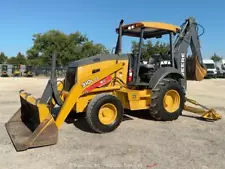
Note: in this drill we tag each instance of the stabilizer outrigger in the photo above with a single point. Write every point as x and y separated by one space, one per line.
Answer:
205 112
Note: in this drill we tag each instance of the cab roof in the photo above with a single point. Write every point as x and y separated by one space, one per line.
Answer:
152 29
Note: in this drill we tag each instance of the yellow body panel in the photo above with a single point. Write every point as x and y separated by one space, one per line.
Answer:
134 99
130 99
84 71
159 25
123 73
82 103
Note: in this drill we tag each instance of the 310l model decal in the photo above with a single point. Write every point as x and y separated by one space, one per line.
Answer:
88 82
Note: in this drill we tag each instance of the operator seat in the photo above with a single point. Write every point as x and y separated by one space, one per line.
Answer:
146 66
152 62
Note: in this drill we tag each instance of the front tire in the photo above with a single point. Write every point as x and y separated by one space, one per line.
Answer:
104 113
167 101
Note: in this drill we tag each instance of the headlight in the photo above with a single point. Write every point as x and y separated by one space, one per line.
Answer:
131 27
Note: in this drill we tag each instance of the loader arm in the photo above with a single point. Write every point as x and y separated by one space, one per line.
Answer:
191 67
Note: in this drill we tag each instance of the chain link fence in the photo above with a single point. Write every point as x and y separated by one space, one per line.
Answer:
37 70
46 71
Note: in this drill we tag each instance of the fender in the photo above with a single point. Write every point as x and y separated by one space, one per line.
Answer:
164 72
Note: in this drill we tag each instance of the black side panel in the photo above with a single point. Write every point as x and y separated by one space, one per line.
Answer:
70 78
162 73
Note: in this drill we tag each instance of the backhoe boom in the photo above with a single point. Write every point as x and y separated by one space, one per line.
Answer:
191 67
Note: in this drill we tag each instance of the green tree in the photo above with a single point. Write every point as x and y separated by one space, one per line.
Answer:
12 60
216 57
69 47
21 59
3 58
148 48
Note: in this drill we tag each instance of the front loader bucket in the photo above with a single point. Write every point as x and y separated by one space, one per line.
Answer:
32 125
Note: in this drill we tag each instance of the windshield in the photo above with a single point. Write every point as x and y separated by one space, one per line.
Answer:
210 65
151 47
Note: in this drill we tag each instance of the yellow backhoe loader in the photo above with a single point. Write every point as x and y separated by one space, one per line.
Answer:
105 85
16 70
4 70
28 71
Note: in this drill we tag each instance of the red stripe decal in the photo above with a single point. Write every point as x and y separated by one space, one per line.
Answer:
98 84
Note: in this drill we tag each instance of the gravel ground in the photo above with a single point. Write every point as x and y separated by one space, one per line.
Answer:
139 143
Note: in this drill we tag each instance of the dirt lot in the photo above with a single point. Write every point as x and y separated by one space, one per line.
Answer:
187 143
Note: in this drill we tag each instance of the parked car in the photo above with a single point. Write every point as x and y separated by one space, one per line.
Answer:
220 66
211 68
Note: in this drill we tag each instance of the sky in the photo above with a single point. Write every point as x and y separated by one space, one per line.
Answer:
98 20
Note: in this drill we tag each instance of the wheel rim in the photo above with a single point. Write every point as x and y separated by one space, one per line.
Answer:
107 114
171 101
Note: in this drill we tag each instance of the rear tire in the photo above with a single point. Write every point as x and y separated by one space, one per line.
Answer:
170 107
104 113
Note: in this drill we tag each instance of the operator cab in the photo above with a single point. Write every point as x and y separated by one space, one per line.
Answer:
142 72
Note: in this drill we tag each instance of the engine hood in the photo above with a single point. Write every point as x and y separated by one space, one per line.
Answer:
97 58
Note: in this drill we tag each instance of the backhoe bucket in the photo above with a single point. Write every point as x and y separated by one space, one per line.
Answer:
32 125
195 71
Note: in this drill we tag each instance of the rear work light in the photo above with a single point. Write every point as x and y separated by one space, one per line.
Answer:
130 75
